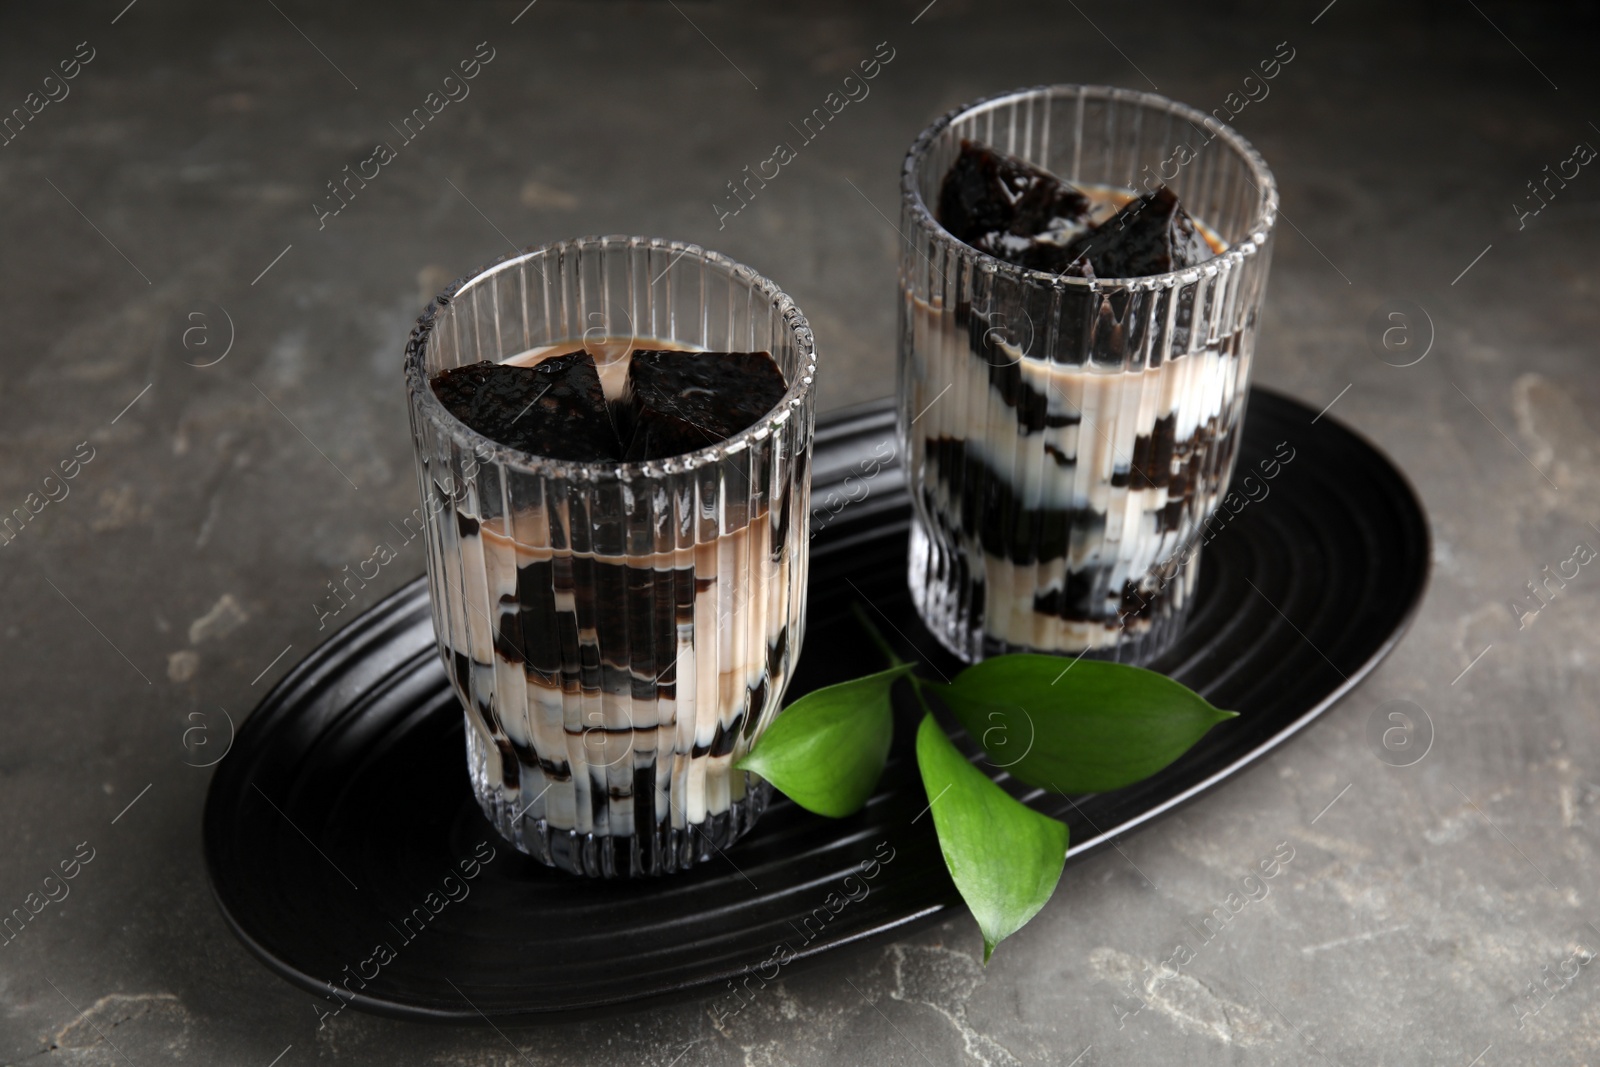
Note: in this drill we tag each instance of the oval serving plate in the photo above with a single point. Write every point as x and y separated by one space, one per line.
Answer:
347 853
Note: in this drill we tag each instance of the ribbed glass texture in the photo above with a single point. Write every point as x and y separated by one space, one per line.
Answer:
619 634
1067 439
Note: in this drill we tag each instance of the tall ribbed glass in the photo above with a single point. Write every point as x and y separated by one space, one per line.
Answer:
618 633
1067 438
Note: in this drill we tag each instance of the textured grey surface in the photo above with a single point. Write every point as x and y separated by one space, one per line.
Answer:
1420 902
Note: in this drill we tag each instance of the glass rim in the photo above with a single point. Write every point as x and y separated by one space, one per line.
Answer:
427 403
1260 226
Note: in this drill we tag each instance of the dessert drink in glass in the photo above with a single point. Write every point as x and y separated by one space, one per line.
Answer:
612 440
1080 287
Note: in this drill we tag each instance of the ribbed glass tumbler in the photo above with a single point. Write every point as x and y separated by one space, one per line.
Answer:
1068 438
618 633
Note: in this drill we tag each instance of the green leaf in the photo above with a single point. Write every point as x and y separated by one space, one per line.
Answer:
826 751
1005 857
1077 727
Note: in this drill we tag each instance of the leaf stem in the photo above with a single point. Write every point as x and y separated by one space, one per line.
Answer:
878 639
916 687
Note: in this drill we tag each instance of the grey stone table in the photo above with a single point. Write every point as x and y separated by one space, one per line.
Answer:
161 206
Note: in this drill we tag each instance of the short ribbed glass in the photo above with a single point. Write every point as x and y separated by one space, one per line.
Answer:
1067 439
618 633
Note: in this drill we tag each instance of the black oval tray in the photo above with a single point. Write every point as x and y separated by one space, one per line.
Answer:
341 820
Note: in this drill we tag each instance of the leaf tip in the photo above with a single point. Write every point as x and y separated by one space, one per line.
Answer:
988 949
